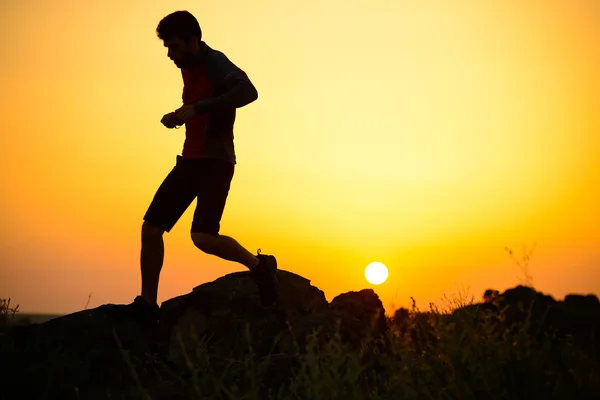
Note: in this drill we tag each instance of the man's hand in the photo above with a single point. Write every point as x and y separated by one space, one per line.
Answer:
171 121
184 113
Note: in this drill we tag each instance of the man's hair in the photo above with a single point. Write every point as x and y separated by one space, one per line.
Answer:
180 24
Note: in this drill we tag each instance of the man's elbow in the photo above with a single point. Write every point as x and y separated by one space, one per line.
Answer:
255 96
252 94
243 94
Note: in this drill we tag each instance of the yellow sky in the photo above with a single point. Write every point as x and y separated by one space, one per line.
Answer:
427 135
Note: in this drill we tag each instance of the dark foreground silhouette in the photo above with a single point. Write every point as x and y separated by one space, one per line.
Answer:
217 342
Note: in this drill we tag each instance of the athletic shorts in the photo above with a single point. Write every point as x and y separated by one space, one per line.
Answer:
205 179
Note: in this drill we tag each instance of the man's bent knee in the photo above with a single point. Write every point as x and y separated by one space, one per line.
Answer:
150 231
204 241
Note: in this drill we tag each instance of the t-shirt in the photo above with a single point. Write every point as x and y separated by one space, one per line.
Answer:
210 135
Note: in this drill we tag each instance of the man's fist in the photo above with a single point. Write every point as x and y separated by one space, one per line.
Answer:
171 121
185 112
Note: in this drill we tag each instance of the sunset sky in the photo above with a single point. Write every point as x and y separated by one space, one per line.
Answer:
426 135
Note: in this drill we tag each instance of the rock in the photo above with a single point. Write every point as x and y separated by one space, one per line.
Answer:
323 327
76 352
366 307
226 313
357 317
219 322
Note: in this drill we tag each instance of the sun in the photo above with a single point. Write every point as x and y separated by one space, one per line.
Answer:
376 273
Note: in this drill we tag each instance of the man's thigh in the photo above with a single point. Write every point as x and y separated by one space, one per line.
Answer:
172 198
212 190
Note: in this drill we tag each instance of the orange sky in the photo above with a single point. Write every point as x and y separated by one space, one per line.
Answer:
426 135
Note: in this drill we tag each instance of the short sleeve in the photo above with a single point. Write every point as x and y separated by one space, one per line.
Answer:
222 72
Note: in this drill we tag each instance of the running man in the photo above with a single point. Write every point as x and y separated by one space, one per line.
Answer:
213 87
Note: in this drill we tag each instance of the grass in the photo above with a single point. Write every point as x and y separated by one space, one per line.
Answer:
461 356
433 355
7 313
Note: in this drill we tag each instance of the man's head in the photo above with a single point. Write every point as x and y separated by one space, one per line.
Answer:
181 35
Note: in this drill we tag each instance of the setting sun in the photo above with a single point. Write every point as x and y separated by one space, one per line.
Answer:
376 273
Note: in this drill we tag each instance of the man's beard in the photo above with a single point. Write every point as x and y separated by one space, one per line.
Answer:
187 62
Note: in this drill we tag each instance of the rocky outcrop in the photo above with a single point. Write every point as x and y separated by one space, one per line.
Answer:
219 321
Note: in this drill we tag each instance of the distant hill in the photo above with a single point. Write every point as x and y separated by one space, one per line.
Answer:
21 319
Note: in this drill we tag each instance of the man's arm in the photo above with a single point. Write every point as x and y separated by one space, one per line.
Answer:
238 90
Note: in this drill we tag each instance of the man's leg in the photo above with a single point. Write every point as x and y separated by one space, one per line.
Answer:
144 308
214 181
263 267
224 247
214 184
151 261
172 198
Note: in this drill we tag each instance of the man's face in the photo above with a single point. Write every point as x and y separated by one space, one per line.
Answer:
180 52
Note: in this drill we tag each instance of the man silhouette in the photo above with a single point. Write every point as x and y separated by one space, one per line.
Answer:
213 87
